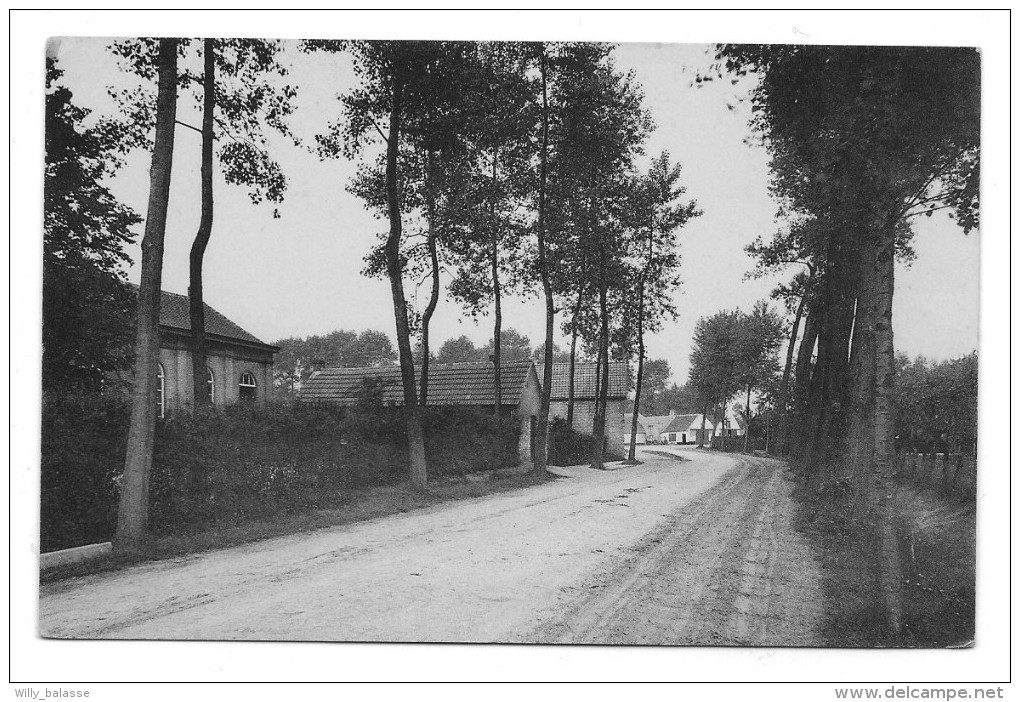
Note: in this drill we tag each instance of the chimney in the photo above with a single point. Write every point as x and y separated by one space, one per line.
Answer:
492 358
672 413
318 364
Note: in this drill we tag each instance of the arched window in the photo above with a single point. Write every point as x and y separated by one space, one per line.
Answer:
247 387
160 387
210 382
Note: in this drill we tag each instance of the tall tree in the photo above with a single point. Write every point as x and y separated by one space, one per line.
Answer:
493 229
544 263
398 84
714 357
654 217
87 304
600 128
132 516
761 332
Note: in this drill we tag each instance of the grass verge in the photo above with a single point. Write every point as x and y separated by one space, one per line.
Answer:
937 552
356 506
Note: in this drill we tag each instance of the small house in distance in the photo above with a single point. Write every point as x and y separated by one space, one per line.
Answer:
584 399
686 429
239 366
463 384
654 424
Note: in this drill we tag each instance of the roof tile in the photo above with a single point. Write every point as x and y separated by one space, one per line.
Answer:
175 312
449 384
585 380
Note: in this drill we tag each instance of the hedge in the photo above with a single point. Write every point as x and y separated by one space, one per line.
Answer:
569 447
243 462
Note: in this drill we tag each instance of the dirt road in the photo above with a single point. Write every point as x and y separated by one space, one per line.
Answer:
668 552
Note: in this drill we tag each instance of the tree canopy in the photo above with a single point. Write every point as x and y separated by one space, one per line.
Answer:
88 307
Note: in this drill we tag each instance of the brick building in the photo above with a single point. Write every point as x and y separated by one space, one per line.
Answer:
239 366
617 427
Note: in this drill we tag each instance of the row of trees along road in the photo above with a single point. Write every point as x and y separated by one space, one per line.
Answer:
735 353
508 166
862 141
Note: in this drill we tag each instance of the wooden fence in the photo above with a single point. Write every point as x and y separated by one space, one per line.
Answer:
952 475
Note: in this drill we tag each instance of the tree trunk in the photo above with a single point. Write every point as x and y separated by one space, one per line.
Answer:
825 425
196 302
426 318
870 441
632 452
573 357
497 329
133 513
747 421
415 436
796 422
542 440
890 575
783 400
701 439
599 428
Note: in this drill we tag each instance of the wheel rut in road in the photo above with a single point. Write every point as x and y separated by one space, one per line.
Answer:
727 569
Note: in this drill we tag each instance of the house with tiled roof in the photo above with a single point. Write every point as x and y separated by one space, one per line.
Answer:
239 366
461 384
585 386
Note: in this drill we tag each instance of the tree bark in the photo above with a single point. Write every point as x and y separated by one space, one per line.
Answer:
783 401
573 357
826 411
433 249
133 512
747 421
196 303
890 574
797 421
542 440
497 329
632 453
415 436
599 428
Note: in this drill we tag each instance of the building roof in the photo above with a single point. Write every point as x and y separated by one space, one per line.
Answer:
656 419
686 422
449 384
175 313
585 381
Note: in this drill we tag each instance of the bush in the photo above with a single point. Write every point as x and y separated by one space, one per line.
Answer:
84 437
242 462
568 447
460 440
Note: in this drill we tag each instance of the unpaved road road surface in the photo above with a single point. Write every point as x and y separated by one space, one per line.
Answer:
699 552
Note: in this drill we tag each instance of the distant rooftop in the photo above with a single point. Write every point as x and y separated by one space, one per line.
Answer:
449 384
585 381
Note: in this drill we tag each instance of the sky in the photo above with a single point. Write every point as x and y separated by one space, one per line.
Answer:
300 274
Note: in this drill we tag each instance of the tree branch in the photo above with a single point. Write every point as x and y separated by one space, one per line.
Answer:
183 124
384 138
923 212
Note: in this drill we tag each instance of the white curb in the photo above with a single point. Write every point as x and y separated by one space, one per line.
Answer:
73 555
